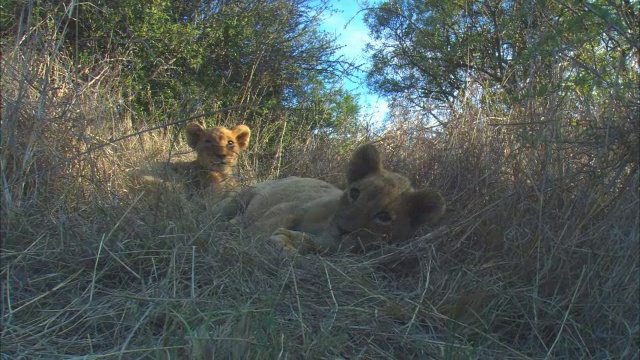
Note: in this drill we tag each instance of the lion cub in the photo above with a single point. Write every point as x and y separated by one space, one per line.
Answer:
217 151
310 215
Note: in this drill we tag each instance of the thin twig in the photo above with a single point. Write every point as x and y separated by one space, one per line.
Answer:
161 126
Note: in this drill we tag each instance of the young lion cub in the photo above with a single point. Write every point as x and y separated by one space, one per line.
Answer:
217 151
305 215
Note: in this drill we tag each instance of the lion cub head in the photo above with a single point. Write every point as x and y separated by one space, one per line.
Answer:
379 205
217 146
217 150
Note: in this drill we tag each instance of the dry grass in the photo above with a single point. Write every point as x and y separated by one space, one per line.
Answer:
537 257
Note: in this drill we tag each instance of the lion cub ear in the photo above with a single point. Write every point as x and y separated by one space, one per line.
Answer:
364 162
424 206
194 133
242 134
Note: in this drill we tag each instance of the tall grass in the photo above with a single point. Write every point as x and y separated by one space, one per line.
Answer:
536 258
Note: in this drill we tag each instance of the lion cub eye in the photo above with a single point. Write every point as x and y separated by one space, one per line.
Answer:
208 141
354 194
383 217
230 143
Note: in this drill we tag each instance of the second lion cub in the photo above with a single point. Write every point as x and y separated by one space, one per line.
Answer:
310 215
217 150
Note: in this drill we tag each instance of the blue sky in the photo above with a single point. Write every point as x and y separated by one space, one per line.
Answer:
351 32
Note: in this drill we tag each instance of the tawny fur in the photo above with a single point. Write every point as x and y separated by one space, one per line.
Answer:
217 150
310 215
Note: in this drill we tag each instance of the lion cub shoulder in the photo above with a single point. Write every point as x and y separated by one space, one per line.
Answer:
378 206
217 150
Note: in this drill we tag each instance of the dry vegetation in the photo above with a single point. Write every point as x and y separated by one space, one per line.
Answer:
537 257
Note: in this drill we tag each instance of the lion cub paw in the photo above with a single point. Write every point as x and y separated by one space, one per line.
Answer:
293 241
